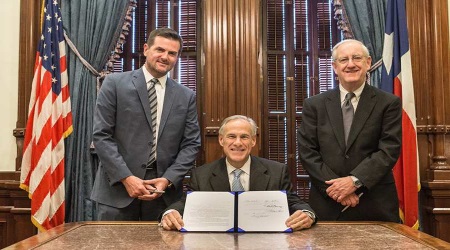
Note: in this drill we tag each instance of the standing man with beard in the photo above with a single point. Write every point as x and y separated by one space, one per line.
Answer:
146 135
349 141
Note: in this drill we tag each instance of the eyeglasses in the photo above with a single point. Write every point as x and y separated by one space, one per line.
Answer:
345 60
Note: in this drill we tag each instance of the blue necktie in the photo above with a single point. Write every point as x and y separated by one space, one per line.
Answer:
237 185
153 108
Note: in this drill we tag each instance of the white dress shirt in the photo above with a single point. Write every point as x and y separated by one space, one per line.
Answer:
160 92
357 93
244 177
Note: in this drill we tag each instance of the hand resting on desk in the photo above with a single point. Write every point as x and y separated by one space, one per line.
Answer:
299 220
172 221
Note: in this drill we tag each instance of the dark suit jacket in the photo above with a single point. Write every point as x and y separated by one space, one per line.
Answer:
264 175
372 151
123 136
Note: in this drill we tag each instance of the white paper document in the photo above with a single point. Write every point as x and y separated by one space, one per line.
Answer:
263 211
209 211
253 211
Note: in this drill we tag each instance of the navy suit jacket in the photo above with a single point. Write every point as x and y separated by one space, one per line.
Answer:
371 152
264 175
123 136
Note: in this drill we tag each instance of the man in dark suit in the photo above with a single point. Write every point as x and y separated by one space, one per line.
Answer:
125 141
352 168
237 136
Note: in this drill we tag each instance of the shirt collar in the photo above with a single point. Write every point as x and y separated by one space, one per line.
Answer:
245 168
357 92
148 77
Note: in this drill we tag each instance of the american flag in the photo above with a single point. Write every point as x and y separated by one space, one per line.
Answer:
397 79
49 122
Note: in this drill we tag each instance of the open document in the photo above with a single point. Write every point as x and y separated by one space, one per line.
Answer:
253 211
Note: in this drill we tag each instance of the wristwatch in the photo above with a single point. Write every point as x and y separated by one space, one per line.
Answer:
356 182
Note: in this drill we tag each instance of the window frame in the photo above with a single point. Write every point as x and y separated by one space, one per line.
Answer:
292 113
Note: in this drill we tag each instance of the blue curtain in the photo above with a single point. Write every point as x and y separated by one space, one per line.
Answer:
94 27
366 20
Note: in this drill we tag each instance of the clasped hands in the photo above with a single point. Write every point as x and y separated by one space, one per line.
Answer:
297 221
142 189
342 190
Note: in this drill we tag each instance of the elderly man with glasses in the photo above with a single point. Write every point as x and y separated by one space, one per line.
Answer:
349 141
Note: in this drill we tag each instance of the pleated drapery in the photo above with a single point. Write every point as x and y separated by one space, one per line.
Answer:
94 27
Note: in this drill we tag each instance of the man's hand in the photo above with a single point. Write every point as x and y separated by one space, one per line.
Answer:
340 188
351 200
172 221
159 184
135 186
299 220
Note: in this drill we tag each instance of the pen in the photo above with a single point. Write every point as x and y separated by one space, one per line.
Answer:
157 191
345 208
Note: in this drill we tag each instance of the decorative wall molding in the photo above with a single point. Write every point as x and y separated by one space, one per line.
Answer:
433 129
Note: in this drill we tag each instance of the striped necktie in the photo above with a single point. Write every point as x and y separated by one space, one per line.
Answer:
347 114
153 108
237 185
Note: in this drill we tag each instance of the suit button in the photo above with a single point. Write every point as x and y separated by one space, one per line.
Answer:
149 143
346 156
143 166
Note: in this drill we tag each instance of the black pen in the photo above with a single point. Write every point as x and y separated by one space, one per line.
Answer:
345 208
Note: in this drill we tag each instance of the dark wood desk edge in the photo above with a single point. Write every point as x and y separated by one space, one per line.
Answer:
42 238
413 234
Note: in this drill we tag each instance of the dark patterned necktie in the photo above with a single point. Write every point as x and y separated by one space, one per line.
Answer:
347 114
153 109
237 185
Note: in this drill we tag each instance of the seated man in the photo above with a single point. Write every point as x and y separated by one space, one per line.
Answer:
237 136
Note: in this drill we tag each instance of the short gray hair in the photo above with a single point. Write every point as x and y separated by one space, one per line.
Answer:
334 51
239 117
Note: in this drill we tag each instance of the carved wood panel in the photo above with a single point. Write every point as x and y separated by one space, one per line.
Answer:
428 26
231 71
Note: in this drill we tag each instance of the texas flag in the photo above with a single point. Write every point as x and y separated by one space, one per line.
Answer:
397 79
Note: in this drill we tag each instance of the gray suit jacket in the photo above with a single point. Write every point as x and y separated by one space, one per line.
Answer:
372 150
123 136
264 175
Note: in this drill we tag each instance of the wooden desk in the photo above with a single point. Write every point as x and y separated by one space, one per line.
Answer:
147 235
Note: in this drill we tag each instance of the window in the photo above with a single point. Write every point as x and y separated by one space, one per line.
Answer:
299 38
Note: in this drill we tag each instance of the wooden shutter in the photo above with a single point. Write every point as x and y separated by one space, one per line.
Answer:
186 70
299 38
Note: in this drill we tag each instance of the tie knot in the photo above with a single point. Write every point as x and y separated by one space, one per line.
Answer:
237 172
153 82
349 96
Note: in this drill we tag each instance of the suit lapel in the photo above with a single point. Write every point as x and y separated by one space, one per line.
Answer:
219 180
334 111
258 176
169 97
141 87
365 105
